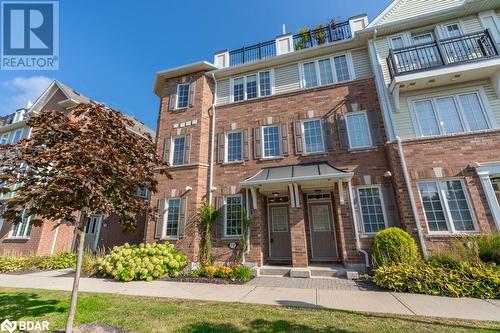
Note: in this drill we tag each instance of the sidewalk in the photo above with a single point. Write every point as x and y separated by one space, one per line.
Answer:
351 300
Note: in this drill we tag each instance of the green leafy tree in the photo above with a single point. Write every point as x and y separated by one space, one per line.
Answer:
76 163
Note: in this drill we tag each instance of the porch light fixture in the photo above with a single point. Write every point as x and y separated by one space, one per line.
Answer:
275 194
188 188
317 191
387 174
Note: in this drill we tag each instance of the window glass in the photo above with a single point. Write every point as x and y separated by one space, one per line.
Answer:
265 83
251 86
448 115
397 42
320 218
325 71
474 113
182 95
310 75
22 228
372 213
271 137
434 212
453 30
17 136
341 68
426 118
358 131
279 217
234 145
5 139
233 216
178 155
313 136
458 206
173 214
423 39
238 89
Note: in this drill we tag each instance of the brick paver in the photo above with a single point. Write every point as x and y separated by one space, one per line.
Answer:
313 283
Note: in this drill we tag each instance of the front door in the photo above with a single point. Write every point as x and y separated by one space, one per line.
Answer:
280 243
323 244
92 231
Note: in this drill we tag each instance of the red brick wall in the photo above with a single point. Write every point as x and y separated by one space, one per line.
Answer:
112 233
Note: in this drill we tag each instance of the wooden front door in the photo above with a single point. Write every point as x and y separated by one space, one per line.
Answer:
279 232
323 243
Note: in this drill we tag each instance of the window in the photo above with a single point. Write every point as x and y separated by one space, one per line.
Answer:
178 151
446 206
310 79
4 139
371 207
234 146
173 215
182 95
423 38
397 42
22 229
341 68
313 136
358 131
450 114
452 30
17 136
325 71
252 86
234 209
271 137
142 192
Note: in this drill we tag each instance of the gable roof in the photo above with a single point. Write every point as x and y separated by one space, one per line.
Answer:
405 9
45 97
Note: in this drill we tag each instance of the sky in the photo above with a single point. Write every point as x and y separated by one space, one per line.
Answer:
111 50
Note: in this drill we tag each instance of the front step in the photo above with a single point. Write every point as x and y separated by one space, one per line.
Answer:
327 271
312 271
275 270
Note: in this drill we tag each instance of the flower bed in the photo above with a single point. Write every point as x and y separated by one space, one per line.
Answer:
212 273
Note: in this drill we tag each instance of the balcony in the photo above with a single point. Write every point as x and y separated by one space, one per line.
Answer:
304 39
446 52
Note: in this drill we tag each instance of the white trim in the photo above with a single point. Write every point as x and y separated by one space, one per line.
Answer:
386 11
264 157
98 230
54 240
496 21
172 148
177 107
382 203
444 28
165 220
321 134
364 112
225 215
26 227
446 210
226 146
485 173
315 61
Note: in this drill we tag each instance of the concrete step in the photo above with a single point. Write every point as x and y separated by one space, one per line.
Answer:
275 270
326 271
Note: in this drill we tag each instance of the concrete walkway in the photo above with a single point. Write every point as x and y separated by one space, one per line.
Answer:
351 300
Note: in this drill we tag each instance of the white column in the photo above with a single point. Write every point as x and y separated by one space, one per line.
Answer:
484 176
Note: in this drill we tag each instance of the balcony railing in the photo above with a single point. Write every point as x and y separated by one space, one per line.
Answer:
311 38
449 51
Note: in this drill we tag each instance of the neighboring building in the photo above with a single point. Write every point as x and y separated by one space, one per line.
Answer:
102 231
437 68
301 132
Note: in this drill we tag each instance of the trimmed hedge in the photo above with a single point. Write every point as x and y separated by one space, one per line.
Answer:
464 279
393 246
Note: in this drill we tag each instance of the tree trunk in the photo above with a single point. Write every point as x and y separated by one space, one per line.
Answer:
76 281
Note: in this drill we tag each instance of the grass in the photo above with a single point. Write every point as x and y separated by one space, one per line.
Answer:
149 314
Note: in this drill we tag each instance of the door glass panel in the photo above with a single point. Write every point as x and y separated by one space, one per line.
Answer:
279 219
320 218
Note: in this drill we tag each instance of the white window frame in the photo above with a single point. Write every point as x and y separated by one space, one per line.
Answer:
365 113
11 138
382 203
446 208
304 137
172 149
7 138
26 228
350 66
177 107
165 219
225 215
483 101
226 146
263 142
404 38
444 28
244 77
142 192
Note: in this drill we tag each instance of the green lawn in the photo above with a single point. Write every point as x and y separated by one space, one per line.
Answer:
147 314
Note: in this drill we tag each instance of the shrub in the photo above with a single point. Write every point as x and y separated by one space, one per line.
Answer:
394 245
236 272
91 262
444 259
11 263
242 273
489 248
475 279
143 262
57 261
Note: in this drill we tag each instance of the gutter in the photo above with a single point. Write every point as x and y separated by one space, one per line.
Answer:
412 198
212 145
355 222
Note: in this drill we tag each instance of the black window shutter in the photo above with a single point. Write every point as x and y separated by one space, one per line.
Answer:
328 134
159 221
297 131
219 223
391 209
166 149
257 144
220 147
187 148
245 145
284 139
172 103
192 91
182 217
374 121
342 128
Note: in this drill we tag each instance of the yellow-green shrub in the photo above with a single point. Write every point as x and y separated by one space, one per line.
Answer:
475 279
392 246
11 263
142 262
57 261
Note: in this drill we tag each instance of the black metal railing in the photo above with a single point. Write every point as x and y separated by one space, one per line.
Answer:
252 53
331 33
449 51
303 40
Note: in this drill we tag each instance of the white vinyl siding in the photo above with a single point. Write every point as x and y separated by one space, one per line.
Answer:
287 78
361 64
223 91
405 9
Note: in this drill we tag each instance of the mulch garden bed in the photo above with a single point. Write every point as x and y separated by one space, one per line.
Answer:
200 280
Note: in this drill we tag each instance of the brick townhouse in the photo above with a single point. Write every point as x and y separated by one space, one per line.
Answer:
326 137
55 236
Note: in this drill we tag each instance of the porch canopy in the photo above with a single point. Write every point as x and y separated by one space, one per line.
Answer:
287 178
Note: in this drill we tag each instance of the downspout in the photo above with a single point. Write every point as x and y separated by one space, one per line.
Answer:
212 145
412 198
355 221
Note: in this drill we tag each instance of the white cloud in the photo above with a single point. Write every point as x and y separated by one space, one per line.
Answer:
22 90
